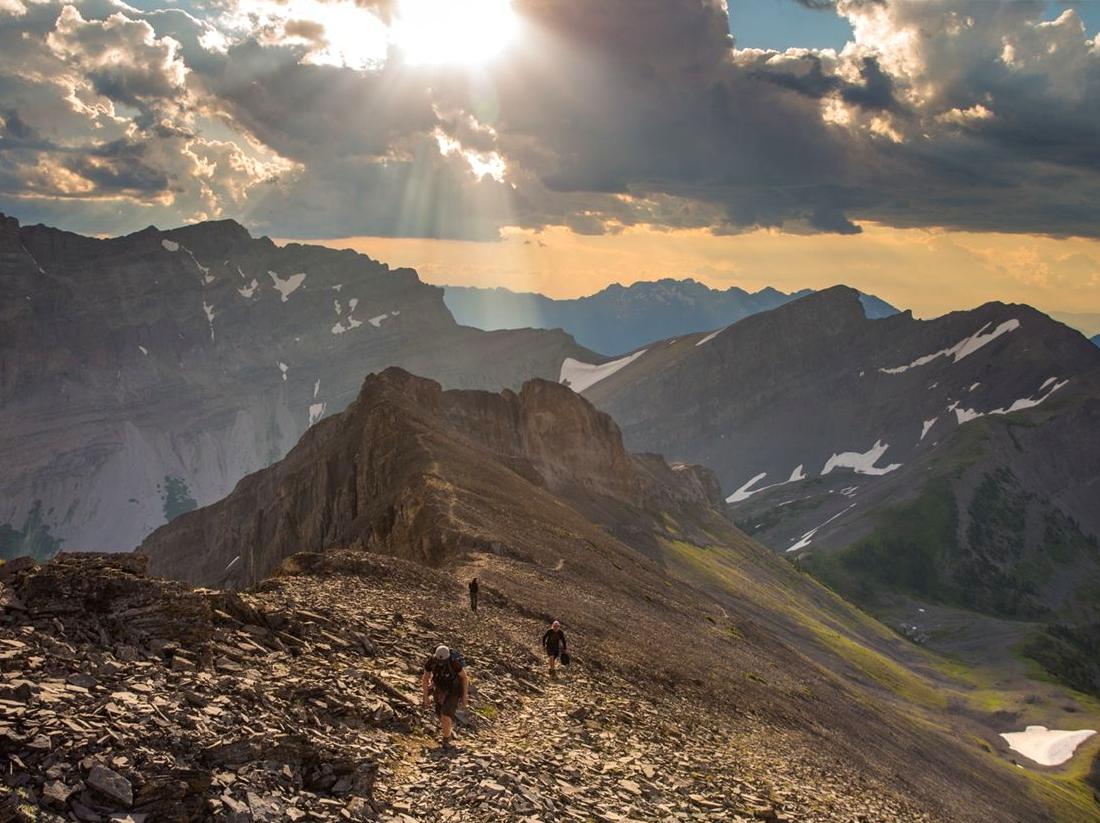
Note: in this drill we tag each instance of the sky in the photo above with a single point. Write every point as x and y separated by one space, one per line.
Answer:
939 153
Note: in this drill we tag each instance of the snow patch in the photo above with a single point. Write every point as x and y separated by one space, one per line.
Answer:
1047 747
143 350
747 490
249 290
232 562
289 286
316 388
963 348
283 368
861 462
170 245
966 415
339 309
209 311
808 537
711 336
974 386
928 424
338 286
1047 382
580 376
743 493
316 411
377 320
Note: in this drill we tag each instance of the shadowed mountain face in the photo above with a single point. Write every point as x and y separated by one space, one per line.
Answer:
955 460
1096 340
144 375
534 493
622 318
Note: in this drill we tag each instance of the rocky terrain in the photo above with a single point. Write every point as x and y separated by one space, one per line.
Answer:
127 698
141 376
952 461
620 318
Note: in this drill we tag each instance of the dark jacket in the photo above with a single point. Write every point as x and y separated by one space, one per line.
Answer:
473 587
554 641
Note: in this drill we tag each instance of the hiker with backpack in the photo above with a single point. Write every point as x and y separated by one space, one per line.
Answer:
473 595
553 641
445 684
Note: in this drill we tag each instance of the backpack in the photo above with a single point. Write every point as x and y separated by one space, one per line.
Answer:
446 674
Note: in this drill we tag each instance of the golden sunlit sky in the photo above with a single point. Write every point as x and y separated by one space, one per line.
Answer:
938 154
930 271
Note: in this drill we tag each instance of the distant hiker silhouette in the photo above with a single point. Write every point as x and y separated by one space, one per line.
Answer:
553 641
445 684
473 595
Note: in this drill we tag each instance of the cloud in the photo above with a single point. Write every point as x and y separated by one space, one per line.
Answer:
300 117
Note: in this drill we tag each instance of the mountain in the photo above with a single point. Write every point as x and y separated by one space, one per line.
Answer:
534 492
141 376
622 318
406 470
1096 340
950 463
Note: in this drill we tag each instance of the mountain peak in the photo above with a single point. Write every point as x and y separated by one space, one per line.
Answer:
212 234
406 470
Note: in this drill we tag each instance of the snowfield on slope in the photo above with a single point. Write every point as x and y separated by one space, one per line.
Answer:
288 286
963 348
964 415
861 462
747 490
580 376
1047 747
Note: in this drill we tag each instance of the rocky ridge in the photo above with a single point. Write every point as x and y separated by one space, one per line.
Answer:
408 469
132 699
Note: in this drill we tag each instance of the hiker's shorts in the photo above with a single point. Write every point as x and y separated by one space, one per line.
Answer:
446 703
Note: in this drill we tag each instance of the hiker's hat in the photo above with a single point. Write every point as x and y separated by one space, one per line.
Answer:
442 653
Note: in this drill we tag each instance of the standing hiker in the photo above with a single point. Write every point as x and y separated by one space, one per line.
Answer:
553 641
473 595
444 683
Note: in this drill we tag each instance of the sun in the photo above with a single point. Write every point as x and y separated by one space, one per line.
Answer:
464 32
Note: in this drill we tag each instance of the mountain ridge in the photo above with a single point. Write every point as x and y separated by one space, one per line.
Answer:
619 318
919 467
533 493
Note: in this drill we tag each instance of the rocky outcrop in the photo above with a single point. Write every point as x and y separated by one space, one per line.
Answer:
408 468
141 376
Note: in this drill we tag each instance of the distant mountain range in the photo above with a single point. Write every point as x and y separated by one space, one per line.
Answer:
141 376
954 462
621 318
1096 340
